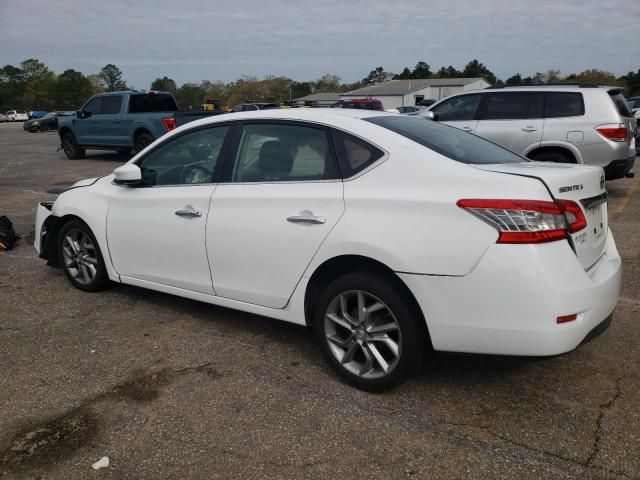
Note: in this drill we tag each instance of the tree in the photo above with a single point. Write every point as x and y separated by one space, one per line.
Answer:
111 79
165 84
632 82
38 81
328 83
514 80
190 96
11 87
449 72
404 75
421 70
477 69
378 75
301 89
593 75
71 89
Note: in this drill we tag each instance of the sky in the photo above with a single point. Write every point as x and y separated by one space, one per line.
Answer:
194 40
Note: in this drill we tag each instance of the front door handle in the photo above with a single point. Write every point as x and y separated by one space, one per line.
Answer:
188 212
529 129
306 217
467 129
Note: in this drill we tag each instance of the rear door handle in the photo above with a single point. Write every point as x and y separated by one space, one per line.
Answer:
306 218
188 212
467 129
529 129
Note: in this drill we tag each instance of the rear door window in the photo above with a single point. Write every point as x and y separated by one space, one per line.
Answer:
459 108
511 106
159 102
111 104
563 104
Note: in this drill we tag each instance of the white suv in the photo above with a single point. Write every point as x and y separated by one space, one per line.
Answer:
17 116
578 123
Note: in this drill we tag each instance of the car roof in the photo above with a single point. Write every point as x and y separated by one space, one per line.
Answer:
319 115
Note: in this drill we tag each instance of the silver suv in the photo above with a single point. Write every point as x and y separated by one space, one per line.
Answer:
578 123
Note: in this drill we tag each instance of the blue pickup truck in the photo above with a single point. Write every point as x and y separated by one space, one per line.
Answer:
122 121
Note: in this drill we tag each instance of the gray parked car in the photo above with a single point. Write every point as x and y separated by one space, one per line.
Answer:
579 123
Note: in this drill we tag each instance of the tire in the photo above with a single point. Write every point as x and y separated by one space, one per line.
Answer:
350 344
142 141
71 147
44 128
81 258
552 156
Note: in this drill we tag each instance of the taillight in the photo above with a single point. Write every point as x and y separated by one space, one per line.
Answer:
616 132
169 123
574 215
527 221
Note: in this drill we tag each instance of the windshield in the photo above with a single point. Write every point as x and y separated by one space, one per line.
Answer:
448 141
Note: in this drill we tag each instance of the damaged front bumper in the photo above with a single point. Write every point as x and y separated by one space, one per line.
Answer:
46 232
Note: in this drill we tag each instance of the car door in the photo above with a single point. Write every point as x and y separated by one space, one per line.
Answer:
459 111
84 124
106 127
512 119
156 231
280 197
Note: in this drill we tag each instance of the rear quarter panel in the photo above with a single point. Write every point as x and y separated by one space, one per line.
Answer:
403 213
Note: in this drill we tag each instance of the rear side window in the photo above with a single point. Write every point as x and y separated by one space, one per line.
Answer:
511 106
111 104
563 104
621 103
448 141
159 102
354 154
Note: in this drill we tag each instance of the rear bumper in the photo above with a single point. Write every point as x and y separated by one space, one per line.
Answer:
509 304
619 168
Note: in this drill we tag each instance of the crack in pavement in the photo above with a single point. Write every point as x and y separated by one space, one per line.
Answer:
598 431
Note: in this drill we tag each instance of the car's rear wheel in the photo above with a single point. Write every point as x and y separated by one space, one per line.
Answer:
81 258
552 156
44 128
72 150
143 140
369 330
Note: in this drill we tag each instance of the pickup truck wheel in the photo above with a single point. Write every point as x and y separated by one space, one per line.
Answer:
71 147
143 140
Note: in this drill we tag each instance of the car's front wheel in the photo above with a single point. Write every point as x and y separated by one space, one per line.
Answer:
71 147
369 330
81 258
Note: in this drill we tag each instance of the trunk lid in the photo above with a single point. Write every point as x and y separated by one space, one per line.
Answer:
584 185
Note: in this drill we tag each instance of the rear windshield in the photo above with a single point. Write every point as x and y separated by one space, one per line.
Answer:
159 102
448 141
621 103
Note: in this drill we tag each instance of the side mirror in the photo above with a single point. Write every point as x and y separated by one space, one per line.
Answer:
429 115
128 174
83 114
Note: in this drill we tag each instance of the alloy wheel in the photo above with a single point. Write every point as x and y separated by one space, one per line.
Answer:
363 334
80 256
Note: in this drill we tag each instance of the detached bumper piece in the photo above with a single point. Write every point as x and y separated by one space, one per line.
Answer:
619 169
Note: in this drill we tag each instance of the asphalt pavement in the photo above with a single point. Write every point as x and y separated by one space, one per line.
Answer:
172 388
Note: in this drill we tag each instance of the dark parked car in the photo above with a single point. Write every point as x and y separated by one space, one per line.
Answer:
360 104
252 106
46 123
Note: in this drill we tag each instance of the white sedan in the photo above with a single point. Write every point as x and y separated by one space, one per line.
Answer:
389 235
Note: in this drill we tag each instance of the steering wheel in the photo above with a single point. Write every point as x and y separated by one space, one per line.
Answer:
195 174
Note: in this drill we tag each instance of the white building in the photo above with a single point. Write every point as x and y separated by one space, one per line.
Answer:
399 93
